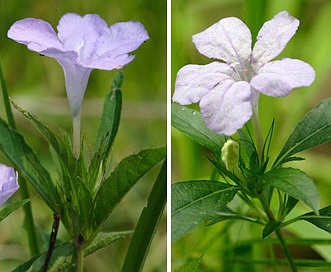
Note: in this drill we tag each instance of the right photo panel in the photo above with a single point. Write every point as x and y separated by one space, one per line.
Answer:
250 135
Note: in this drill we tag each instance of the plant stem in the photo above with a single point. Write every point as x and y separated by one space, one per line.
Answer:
279 235
52 240
76 122
24 191
257 131
80 253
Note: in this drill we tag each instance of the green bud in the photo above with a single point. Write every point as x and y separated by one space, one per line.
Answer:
230 154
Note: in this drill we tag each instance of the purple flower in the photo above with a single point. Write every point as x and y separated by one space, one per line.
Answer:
229 92
82 44
8 183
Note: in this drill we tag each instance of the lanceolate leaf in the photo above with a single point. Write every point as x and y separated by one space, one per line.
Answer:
312 130
147 224
122 179
190 122
111 116
23 157
295 183
62 149
12 207
194 202
76 199
322 221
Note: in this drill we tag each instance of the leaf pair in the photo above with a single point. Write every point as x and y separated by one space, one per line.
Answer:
193 204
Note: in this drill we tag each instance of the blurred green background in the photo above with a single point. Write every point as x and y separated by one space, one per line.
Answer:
311 43
37 84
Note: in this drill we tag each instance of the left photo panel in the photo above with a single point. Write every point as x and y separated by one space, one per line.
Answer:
83 135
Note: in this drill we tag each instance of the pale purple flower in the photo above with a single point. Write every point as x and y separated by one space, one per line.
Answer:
8 182
81 44
228 92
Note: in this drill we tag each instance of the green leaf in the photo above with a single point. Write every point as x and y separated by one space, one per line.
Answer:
110 120
295 183
322 221
62 257
194 202
190 122
12 207
75 197
122 179
147 224
270 227
26 161
62 148
104 239
314 129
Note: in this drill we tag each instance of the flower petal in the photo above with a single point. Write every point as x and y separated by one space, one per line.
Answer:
80 34
278 78
227 108
195 81
112 48
228 40
122 38
273 37
37 34
8 183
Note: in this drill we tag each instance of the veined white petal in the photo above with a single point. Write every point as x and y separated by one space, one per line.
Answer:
278 78
228 40
227 108
195 81
273 37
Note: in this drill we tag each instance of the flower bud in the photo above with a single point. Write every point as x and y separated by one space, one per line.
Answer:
8 183
230 154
